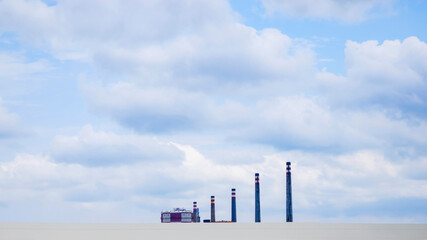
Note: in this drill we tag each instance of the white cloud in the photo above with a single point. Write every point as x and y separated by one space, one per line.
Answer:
303 122
72 29
9 122
163 109
345 180
198 65
393 67
341 180
348 11
13 66
286 122
93 148
391 74
31 18
160 47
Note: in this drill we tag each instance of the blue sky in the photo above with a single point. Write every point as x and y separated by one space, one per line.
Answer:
112 111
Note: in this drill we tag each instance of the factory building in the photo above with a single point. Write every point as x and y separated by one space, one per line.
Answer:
177 215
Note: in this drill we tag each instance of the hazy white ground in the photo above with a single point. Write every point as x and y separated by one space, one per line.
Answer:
247 231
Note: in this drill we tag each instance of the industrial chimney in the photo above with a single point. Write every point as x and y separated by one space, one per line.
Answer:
233 205
257 203
289 216
195 217
212 208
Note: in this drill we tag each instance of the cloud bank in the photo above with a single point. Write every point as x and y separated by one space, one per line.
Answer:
343 183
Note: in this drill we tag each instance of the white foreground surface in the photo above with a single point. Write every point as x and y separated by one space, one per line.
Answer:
247 231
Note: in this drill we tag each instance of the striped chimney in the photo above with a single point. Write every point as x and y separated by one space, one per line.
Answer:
289 215
195 212
212 208
233 205
257 201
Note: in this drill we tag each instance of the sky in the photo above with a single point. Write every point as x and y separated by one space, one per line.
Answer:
112 111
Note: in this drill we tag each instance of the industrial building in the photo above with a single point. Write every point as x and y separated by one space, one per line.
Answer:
177 215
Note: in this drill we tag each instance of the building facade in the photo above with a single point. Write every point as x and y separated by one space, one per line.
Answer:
177 215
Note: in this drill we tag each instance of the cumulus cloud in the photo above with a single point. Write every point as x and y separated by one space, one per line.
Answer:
347 11
71 31
164 46
390 74
394 67
198 65
274 97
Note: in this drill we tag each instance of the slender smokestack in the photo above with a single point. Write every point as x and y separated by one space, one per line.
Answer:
233 205
257 204
198 215
195 212
289 216
212 208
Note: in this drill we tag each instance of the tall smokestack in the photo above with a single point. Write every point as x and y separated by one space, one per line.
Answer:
212 208
195 217
257 204
233 205
289 216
